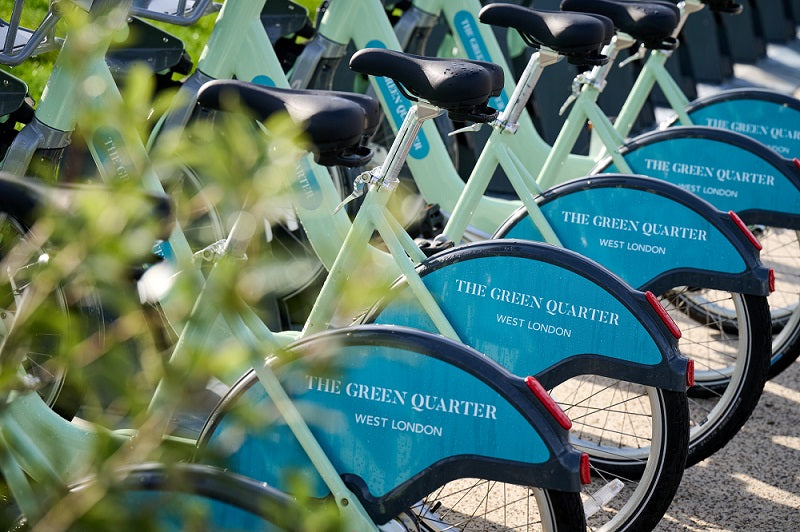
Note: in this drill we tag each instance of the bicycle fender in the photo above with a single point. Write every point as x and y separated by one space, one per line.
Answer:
543 311
727 169
165 492
769 117
396 411
653 234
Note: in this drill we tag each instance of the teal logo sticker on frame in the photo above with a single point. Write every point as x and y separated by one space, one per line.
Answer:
468 32
109 147
307 193
163 249
263 80
306 188
399 106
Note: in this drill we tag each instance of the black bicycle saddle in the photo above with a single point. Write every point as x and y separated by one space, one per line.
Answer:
334 123
577 36
24 199
371 107
652 23
460 86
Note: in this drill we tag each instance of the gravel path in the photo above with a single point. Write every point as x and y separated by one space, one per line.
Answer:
754 482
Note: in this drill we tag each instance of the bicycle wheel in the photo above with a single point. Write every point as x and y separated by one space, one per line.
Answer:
182 496
41 349
731 361
404 476
649 444
781 249
200 220
631 433
478 504
185 497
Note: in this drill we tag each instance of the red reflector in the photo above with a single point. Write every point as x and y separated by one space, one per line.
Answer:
586 475
690 373
548 402
771 280
662 313
796 163
747 232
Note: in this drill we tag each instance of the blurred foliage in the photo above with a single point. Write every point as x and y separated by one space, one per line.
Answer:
36 70
69 291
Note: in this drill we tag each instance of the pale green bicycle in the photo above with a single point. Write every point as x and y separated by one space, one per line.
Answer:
43 452
725 109
660 473
731 365
763 115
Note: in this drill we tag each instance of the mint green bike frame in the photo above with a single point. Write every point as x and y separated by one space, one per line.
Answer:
342 23
654 72
42 446
248 55
514 144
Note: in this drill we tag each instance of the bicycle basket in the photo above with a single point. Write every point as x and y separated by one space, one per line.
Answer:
18 43
180 12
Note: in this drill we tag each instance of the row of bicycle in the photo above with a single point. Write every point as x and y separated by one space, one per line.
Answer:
409 416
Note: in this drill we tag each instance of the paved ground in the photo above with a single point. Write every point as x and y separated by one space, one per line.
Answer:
779 71
754 482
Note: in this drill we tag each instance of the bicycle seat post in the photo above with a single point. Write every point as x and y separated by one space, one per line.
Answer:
509 117
380 183
404 141
385 177
598 74
687 7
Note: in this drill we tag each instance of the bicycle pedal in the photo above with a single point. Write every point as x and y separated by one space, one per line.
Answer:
432 246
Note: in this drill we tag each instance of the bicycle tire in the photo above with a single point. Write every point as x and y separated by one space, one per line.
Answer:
731 367
668 436
201 221
464 503
668 142
650 475
781 249
42 350
463 500
158 496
